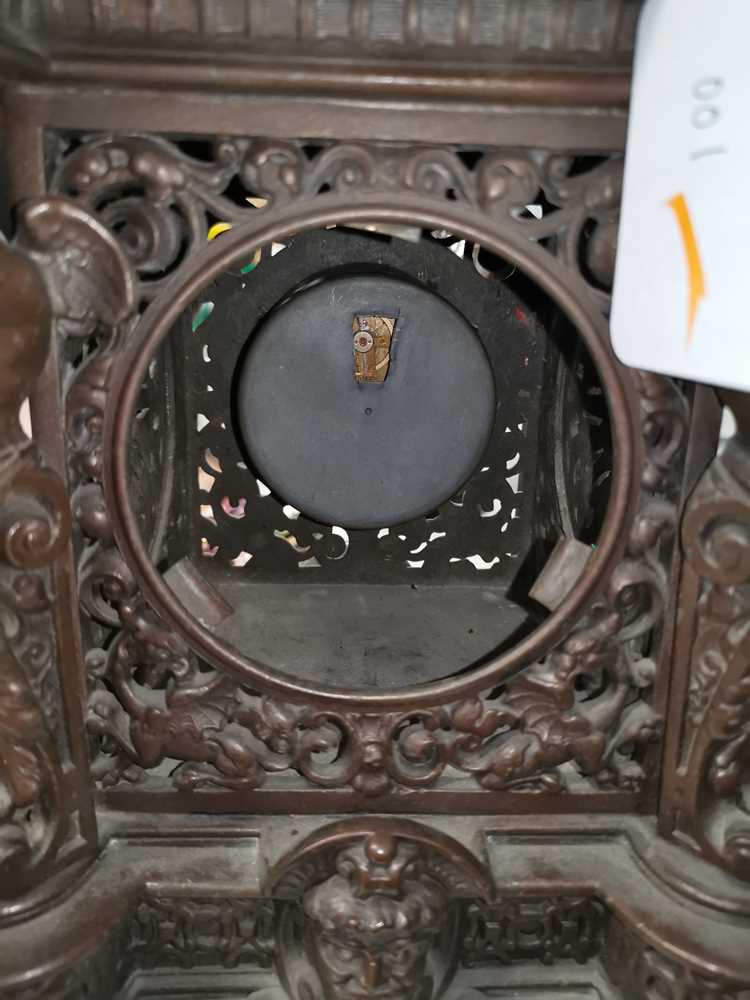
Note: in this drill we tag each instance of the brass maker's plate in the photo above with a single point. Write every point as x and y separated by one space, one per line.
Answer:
372 347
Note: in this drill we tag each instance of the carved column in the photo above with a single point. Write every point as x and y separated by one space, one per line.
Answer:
51 278
708 793
35 819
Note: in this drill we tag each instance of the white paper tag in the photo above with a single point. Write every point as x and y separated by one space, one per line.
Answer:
682 278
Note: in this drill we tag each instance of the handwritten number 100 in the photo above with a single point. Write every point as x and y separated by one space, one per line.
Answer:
706 112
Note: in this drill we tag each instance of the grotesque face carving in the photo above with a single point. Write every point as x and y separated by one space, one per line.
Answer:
356 966
370 937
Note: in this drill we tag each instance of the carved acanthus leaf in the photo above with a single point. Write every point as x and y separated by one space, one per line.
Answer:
87 277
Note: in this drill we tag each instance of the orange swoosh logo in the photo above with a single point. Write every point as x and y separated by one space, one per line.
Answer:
696 279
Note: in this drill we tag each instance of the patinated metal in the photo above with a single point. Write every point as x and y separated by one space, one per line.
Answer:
561 812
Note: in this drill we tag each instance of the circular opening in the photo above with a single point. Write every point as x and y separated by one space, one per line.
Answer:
565 477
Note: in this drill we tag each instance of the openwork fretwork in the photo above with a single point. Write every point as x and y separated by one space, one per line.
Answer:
580 719
161 201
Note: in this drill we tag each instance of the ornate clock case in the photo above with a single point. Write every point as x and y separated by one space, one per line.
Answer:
368 630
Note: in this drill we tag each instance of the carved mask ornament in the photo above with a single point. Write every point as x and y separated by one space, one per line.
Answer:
374 913
372 925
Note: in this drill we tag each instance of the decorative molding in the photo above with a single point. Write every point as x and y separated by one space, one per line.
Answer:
600 32
643 972
332 906
99 976
544 930
196 932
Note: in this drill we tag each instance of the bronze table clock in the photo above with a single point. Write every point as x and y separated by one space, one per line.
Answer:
368 630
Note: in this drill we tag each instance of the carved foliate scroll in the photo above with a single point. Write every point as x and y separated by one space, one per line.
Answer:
520 737
171 197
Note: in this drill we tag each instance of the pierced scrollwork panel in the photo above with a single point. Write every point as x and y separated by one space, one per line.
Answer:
581 720
160 201
232 181
578 721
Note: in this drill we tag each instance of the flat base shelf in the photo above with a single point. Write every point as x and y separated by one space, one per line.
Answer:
369 636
